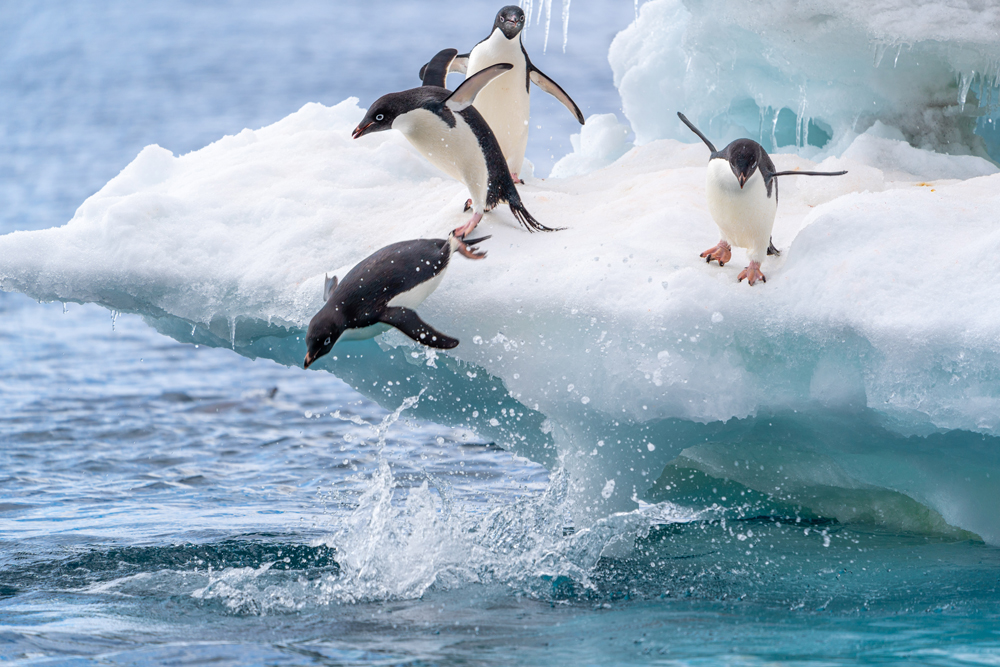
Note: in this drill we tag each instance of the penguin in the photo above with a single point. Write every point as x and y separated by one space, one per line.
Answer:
452 135
505 103
740 183
381 291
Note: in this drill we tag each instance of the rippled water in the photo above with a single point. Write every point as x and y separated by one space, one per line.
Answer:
166 503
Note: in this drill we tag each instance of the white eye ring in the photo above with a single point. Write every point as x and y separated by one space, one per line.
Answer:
379 117
327 341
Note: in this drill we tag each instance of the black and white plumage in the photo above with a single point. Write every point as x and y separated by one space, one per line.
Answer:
505 103
742 189
452 135
381 292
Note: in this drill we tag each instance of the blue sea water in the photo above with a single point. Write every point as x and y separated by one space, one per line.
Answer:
163 503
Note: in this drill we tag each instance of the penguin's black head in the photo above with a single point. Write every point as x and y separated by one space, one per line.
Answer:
744 156
324 330
510 20
380 116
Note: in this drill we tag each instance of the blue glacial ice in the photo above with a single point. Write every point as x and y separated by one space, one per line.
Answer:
814 74
861 382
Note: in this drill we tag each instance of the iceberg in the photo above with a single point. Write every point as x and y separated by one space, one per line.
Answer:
862 381
814 74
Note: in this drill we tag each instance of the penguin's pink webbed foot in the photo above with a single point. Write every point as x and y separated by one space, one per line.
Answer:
517 179
462 231
721 253
752 274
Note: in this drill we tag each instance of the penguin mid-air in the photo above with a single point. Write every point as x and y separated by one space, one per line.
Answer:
381 291
452 135
742 189
505 103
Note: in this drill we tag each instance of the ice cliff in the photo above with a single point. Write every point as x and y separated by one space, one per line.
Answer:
610 347
814 72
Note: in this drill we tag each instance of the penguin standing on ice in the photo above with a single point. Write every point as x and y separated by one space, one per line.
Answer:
450 133
381 291
740 184
505 103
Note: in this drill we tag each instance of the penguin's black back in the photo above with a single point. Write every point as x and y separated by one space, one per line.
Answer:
368 288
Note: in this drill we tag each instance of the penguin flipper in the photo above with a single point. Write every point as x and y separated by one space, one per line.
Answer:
409 323
552 88
464 95
435 72
694 129
329 284
459 64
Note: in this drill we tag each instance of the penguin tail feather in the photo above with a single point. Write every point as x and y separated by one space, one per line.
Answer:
528 220
771 250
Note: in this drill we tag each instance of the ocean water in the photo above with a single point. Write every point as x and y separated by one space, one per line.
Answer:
163 503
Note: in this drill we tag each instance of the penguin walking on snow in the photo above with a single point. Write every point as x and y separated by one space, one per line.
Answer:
381 291
447 129
742 189
505 103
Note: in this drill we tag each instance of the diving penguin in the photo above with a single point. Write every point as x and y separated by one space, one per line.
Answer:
505 103
741 179
447 129
381 291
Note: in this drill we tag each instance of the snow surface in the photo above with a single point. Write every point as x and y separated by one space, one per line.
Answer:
807 72
603 345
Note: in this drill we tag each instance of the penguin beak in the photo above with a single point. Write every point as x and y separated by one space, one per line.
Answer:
742 178
361 129
309 360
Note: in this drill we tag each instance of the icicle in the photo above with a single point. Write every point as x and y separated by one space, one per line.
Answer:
114 318
526 5
774 130
899 49
963 90
636 10
65 310
548 23
193 327
232 332
880 50
565 18
800 129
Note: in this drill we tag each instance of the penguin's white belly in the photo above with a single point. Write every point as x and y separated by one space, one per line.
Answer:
364 333
416 296
453 150
744 216
504 102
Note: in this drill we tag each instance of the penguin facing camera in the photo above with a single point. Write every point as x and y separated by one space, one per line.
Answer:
381 291
452 135
506 103
742 189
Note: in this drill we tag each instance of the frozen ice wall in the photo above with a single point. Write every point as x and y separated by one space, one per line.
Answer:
813 73
863 379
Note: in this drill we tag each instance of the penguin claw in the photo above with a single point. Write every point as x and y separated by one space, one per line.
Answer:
468 206
752 274
721 253
517 179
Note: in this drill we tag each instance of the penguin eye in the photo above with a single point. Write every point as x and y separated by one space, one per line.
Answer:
327 341
379 117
